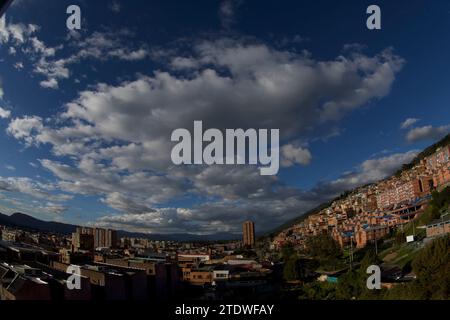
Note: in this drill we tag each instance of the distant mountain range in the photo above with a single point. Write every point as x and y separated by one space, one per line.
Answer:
27 222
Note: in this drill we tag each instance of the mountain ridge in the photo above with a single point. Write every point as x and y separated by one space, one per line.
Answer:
22 220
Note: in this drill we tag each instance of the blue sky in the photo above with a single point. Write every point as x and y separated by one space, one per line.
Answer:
86 116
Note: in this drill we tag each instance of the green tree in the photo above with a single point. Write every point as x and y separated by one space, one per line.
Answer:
432 267
287 251
348 286
318 291
353 283
323 247
291 269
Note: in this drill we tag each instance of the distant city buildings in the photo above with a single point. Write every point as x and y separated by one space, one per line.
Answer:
248 234
404 191
91 238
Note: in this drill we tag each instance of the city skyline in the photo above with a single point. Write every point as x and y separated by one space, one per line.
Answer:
87 136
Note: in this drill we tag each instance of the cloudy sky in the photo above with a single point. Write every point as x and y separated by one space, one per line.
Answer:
86 116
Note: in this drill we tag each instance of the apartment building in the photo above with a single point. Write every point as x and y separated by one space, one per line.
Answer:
248 233
366 235
102 238
198 276
402 192
438 159
82 241
438 165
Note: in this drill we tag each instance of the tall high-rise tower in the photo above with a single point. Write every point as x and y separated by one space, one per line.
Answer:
248 233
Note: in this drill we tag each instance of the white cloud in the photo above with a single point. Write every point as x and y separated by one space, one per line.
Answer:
39 46
10 167
427 133
18 65
34 165
267 209
115 7
4 114
16 33
55 208
408 123
32 188
114 140
51 83
49 61
24 128
180 63
291 155
106 45
227 11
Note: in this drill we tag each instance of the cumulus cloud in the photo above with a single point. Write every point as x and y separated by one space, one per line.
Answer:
105 45
134 193
227 12
18 65
408 123
427 133
114 140
50 63
4 114
51 83
15 33
115 7
99 46
32 188
291 155
54 208
227 214
24 128
21 36
219 216
268 210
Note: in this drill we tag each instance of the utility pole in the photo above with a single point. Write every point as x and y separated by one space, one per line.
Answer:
376 246
442 221
351 252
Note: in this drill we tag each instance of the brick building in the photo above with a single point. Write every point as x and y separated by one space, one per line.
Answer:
366 235
248 233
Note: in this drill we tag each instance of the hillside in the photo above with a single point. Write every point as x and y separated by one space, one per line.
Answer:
297 220
26 221
425 153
